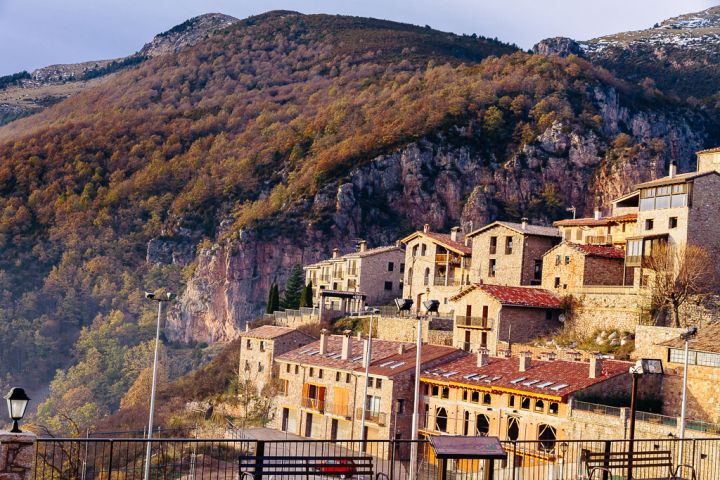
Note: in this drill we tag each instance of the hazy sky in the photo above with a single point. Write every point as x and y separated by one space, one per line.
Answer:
36 33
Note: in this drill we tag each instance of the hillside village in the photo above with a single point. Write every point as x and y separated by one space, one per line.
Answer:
491 304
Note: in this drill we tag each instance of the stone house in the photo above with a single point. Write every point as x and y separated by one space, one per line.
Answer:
323 387
346 283
506 253
571 266
488 314
438 267
260 346
515 398
599 230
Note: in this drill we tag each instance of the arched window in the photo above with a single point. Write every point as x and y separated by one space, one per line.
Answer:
414 250
513 428
547 438
539 405
441 420
487 399
426 277
423 250
482 425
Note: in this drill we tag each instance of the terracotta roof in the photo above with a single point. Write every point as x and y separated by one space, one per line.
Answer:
680 178
706 340
443 239
516 296
372 251
270 332
590 221
556 378
537 230
598 250
398 363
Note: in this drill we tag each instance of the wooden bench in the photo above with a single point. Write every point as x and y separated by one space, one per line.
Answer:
256 467
604 463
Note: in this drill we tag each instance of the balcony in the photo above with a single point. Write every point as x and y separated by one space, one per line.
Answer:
316 404
446 258
473 322
324 278
339 274
377 418
352 272
338 409
599 239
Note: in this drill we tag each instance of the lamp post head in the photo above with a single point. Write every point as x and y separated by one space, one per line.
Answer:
17 402
689 333
150 295
170 296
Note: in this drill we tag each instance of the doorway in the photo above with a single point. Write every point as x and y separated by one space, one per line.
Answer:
308 424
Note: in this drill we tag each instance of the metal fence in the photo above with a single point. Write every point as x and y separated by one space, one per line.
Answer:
106 459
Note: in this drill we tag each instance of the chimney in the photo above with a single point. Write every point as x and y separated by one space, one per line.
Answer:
365 353
247 326
673 169
525 361
335 253
426 228
596 366
548 356
362 245
454 233
483 357
323 341
524 222
467 241
573 356
346 345
598 214
506 353
402 349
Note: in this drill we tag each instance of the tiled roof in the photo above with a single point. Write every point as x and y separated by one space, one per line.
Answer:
680 178
706 340
443 239
516 296
598 250
557 378
270 332
372 251
398 363
321 263
537 230
590 221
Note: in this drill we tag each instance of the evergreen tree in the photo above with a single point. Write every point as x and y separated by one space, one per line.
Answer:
273 299
306 298
293 288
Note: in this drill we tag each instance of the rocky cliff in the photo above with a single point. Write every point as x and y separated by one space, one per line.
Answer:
440 182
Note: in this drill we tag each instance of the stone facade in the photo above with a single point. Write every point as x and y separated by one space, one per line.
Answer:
437 331
568 267
17 456
604 308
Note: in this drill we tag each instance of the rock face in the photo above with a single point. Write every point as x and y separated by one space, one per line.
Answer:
432 181
186 34
560 46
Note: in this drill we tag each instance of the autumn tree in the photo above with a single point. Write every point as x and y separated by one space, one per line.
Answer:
680 274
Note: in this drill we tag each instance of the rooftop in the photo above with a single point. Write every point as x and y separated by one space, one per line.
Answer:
386 357
270 331
679 178
603 251
372 251
556 378
706 340
516 296
537 230
593 222
442 239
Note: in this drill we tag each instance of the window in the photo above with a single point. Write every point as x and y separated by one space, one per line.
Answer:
284 387
508 245
388 285
465 394
539 406
558 260
493 245
546 438
649 224
513 428
568 234
567 259
262 346
475 397
400 406
578 234
423 250
312 371
261 367
435 391
668 196
247 365
426 277
557 282
486 399
537 273
391 266
482 425
425 389
378 383
548 315
525 403
337 376
347 378
297 369
248 344
415 250
466 424
672 222
705 359
553 408
445 392
287 368
402 268
441 420
491 268
320 373
511 401
400 285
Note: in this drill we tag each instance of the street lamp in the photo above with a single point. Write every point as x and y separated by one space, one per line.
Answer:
167 298
368 360
686 336
644 366
17 402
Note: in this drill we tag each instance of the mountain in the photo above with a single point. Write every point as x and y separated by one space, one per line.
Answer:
24 93
679 55
211 171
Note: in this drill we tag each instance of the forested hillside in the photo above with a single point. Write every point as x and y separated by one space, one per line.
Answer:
249 134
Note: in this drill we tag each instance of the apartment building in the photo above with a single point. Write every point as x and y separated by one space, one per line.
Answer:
487 314
438 267
507 253
323 387
517 398
260 346
571 266
598 230
345 283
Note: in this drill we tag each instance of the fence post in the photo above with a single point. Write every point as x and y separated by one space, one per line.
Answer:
513 459
393 445
110 460
259 459
18 455
606 459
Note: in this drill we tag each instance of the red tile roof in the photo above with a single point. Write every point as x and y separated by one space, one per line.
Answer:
386 357
270 332
443 239
590 221
598 250
537 230
556 378
679 178
516 296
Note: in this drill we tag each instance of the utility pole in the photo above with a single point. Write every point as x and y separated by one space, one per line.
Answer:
368 353
416 404
690 333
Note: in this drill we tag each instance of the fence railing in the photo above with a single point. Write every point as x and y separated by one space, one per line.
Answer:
597 408
316 404
473 322
371 416
104 459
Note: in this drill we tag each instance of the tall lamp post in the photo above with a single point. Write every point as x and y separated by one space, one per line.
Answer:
167 298
368 360
686 336
416 403
643 366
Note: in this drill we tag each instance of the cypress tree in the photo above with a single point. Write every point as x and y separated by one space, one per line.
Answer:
273 299
307 297
293 288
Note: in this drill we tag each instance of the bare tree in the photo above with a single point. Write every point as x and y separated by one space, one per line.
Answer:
680 274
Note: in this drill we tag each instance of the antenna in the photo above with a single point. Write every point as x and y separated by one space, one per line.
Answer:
573 210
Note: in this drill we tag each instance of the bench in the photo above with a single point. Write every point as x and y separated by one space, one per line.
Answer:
604 463
256 467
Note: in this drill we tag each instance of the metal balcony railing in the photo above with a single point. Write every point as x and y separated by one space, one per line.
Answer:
316 404
371 416
473 322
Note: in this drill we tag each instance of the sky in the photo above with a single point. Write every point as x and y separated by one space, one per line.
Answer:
37 33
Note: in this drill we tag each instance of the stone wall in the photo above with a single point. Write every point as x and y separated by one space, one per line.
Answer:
648 338
604 308
404 329
17 455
